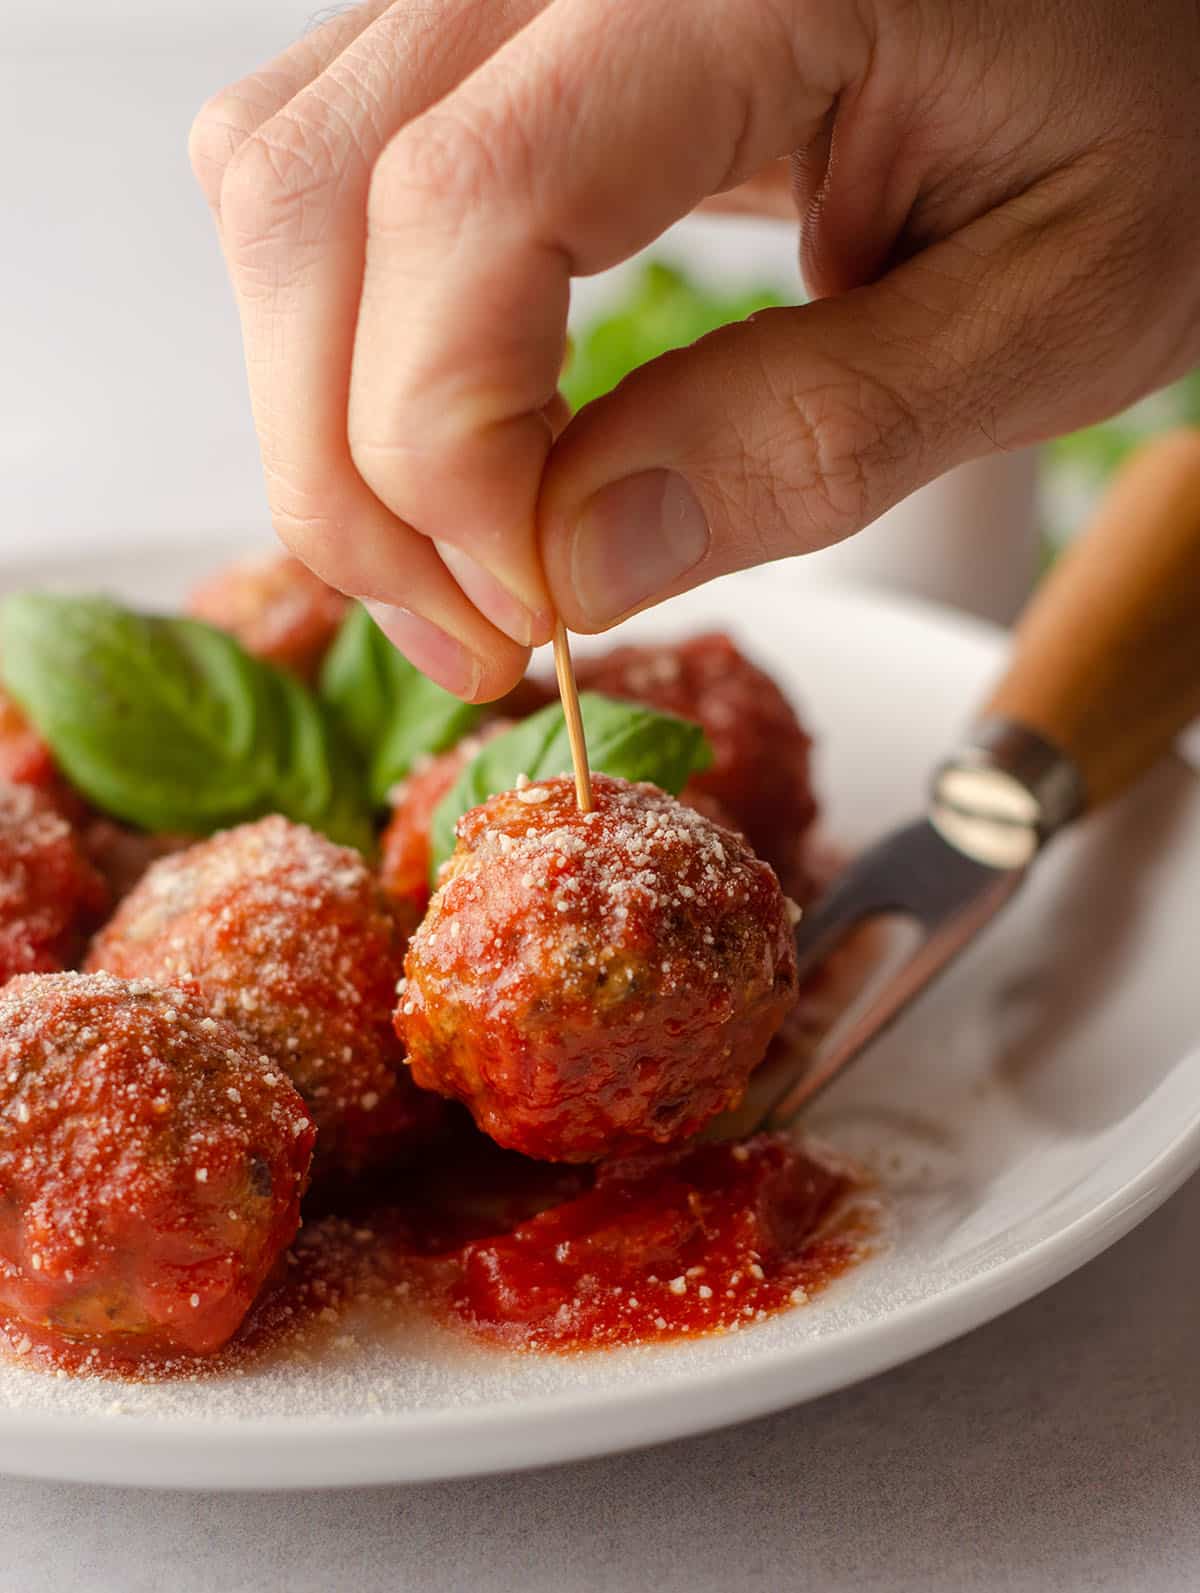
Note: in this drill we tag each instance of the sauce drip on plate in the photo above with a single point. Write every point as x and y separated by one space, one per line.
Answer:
530 1256
699 1241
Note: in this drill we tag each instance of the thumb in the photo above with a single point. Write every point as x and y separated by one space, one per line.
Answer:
796 428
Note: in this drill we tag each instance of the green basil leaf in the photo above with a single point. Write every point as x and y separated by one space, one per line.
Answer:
169 724
391 711
623 738
662 309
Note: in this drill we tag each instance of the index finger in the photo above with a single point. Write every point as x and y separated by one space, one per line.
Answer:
577 143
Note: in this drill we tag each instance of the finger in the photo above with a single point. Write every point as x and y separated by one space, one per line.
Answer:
416 602
798 427
770 192
535 168
293 205
223 125
226 121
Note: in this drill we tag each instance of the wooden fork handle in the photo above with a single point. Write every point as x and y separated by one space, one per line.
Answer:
1106 659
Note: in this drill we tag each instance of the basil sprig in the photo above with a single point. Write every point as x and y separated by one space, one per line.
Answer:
170 724
391 712
623 738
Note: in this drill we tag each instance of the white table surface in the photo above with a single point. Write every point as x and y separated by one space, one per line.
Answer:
1058 1449
1055 1451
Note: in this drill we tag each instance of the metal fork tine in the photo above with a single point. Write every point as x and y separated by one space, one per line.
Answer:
992 806
878 882
919 875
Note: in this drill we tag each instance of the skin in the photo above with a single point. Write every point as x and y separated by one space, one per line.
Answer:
1000 226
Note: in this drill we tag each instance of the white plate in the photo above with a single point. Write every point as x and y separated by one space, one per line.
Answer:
1031 1110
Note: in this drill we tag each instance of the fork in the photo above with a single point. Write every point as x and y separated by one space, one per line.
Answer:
1104 674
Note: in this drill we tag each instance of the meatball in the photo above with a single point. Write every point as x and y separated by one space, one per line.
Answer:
276 607
407 858
25 759
121 854
151 1164
407 853
50 895
760 771
589 984
289 937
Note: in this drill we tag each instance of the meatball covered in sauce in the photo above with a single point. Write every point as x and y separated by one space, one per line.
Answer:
407 858
290 938
50 895
25 759
151 1164
760 771
276 607
121 855
588 984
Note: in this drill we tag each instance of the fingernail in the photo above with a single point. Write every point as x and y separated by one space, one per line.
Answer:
633 540
494 600
434 651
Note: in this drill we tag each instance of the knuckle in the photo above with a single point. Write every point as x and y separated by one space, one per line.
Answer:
321 513
364 456
317 540
820 456
329 538
442 157
303 496
853 434
220 128
384 467
226 121
274 182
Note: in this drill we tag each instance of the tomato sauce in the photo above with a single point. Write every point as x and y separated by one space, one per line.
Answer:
530 1256
700 1241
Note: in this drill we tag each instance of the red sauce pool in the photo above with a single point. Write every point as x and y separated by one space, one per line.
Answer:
701 1241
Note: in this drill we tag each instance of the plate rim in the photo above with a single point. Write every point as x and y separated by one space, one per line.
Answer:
190 1452
869 1349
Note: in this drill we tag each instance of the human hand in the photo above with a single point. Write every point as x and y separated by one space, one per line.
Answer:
1000 217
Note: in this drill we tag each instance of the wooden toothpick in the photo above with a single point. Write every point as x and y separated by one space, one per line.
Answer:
569 692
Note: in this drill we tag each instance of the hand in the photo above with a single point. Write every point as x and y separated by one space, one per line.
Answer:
1001 221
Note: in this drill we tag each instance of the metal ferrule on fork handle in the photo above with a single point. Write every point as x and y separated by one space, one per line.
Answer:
1004 793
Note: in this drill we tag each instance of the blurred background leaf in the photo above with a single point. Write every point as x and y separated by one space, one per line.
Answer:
664 310
1075 468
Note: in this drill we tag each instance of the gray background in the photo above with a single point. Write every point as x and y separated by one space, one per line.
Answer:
1055 1449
